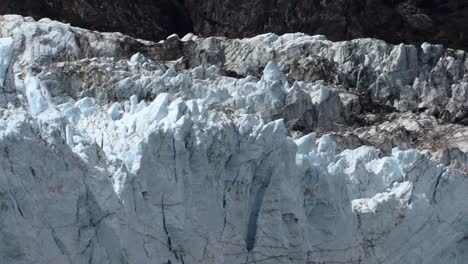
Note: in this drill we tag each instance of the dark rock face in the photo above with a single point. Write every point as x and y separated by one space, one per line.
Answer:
410 21
148 19
392 20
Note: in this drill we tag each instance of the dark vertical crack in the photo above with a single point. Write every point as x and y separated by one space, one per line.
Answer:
89 245
146 251
166 231
169 243
255 211
58 242
433 200
19 210
6 153
134 198
90 261
175 162
15 202
233 181
33 172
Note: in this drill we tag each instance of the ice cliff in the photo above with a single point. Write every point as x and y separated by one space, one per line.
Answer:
274 149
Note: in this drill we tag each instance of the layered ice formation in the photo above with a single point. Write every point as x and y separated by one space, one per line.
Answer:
238 151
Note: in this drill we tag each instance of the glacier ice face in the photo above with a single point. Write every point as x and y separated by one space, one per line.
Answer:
6 52
405 77
211 167
37 95
7 84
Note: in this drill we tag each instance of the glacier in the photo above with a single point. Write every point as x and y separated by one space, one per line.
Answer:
212 150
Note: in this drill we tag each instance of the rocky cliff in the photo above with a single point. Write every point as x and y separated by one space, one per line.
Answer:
409 21
149 19
271 149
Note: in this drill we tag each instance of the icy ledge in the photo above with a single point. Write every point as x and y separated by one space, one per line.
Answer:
206 173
